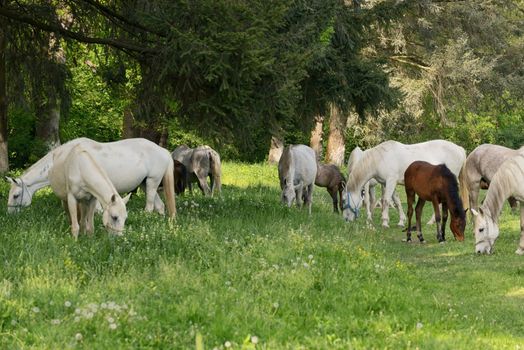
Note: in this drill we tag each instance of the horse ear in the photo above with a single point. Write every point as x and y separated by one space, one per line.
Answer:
474 212
465 211
113 198
126 198
9 179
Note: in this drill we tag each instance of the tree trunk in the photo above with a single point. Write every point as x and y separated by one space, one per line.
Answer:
276 149
316 136
128 130
4 159
335 147
48 123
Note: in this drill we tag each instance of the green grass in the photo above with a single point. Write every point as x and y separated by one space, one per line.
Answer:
244 266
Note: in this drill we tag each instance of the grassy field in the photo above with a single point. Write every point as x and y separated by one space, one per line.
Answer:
244 272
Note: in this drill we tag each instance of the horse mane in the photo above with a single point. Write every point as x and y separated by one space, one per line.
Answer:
366 166
286 161
453 190
501 185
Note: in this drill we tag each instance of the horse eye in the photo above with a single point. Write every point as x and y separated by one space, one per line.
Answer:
15 195
481 229
115 218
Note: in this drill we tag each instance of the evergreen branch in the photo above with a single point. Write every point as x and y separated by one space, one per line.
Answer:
55 28
112 15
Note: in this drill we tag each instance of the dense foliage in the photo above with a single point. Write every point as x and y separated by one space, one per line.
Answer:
234 73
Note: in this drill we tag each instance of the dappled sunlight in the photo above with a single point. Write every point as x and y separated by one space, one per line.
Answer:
516 293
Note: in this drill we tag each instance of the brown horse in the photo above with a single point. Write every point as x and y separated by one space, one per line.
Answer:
329 176
435 183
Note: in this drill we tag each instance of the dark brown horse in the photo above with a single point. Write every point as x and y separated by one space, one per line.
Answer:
329 176
435 183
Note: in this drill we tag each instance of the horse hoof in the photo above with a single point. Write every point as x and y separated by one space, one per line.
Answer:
422 241
407 240
442 242
519 251
401 224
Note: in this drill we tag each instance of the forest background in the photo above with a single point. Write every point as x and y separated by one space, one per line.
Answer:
247 77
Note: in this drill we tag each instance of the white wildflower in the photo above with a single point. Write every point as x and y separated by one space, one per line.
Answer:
254 339
227 344
67 303
35 309
78 336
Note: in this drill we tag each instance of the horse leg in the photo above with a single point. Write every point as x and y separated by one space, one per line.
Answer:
89 211
309 197
398 204
82 209
333 193
369 199
151 187
73 214
418 215
513 204
202 183
436 208
410 194
520 250
386 198
299 195
445 211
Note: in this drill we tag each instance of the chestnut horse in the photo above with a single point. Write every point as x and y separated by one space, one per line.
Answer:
329 176
435 183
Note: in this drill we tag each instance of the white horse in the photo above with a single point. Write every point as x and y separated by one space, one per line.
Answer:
387 163
481 165
80 181
506 182
129 163
297 170
369 199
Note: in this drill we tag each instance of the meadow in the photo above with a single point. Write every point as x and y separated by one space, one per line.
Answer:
244 272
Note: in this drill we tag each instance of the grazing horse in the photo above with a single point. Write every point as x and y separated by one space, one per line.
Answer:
329 176
297 170
435 183
506 182
481 165
388 162
201 162
128 163
369 199
78 180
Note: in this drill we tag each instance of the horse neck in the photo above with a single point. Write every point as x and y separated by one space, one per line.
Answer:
97 180
499 190
37 176
361 174
454 202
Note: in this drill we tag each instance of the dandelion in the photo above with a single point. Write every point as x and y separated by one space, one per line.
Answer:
110 319
306 265
67 303
13 322
112 326
55 321
275 305
78 336
103 306
310 256
111 305
254 339
228 283
77 319
78 311
35 309
227 344
419 325
89 315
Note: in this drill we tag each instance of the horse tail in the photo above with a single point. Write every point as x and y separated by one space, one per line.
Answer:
169 188
216 170
463 185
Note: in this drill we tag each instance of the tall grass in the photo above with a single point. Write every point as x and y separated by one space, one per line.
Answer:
243 271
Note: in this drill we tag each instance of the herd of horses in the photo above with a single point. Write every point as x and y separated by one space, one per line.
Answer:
84 173
437 171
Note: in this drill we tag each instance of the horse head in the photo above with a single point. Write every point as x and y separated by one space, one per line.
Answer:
351 203
19 195
115 214
288 193
458 225
486 231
